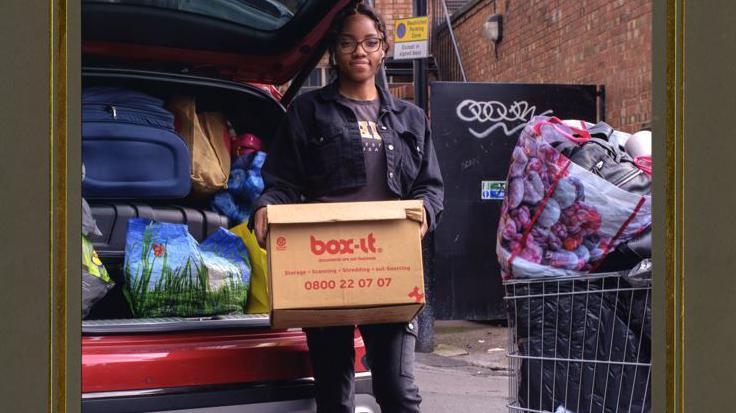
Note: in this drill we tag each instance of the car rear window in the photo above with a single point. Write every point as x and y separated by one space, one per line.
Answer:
257 14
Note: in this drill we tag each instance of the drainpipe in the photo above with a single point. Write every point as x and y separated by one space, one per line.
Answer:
425 341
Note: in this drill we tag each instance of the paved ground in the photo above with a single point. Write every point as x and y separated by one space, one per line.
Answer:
478 344
468 372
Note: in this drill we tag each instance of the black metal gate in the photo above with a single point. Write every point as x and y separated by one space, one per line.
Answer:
475 127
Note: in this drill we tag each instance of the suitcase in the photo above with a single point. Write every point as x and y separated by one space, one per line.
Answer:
129 147
112 220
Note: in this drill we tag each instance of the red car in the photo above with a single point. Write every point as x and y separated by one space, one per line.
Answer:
223 52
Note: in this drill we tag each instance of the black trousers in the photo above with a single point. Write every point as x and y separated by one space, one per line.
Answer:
390 356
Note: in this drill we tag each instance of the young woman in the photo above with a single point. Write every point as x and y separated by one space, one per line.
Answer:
352 141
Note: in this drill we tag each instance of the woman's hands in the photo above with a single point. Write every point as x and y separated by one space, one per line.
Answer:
260 226
425 225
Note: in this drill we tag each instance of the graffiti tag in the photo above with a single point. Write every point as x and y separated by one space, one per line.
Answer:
498 113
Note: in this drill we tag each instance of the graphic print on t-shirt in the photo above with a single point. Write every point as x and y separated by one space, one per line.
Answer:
372 141
376 185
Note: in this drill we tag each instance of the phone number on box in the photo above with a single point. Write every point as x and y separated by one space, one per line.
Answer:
346 284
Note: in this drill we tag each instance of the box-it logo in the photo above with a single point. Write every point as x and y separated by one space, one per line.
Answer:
343 246
281 243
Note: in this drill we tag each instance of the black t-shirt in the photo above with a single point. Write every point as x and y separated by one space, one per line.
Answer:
376 188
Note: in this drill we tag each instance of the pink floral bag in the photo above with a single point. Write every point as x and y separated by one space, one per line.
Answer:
559 219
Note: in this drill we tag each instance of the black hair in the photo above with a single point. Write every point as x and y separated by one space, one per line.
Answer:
338 23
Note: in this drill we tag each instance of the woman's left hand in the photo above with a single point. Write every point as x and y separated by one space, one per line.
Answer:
424 226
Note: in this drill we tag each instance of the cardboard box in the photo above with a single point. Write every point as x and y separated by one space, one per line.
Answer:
345 263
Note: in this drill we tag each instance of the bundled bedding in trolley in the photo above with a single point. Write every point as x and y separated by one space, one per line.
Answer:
576 217
574 196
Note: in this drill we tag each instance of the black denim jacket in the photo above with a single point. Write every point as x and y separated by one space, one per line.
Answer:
318 150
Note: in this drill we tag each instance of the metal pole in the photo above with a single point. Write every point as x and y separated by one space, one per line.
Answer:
425 340
420 65
454 43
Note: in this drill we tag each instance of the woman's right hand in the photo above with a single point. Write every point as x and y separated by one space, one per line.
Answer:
260 225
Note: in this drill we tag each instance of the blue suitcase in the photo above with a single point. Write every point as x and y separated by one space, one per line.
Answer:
130 148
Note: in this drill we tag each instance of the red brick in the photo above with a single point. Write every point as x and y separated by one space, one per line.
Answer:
567 41
560 41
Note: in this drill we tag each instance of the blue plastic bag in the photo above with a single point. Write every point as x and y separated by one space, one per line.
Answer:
246 182
244 186
224 203
167 274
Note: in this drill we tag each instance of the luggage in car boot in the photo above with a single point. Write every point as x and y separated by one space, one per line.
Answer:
112 219
130 148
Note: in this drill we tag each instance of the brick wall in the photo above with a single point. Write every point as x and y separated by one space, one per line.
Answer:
567 41
393 9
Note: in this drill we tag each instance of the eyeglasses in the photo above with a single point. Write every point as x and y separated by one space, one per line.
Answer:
349 45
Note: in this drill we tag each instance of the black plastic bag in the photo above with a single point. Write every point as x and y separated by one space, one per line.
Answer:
583 344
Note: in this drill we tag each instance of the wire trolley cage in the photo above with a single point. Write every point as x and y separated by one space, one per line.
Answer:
580 345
